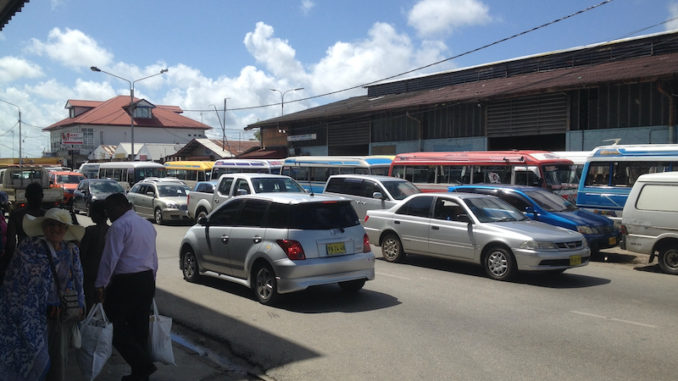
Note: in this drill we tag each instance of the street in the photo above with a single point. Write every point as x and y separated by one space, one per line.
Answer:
436 319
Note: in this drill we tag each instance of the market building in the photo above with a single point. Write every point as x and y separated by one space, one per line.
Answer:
574 100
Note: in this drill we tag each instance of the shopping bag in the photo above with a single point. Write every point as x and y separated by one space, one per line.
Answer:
96 336
160 337
76 338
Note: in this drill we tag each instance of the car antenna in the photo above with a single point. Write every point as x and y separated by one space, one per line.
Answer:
310 186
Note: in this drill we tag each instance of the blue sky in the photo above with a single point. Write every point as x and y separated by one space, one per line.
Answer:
216 49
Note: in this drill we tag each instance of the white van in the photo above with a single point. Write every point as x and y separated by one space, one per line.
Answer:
650 219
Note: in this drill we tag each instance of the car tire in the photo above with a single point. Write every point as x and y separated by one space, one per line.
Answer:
157 216
392 248
264 284
668 260
190 267
201 213
499 263
352 286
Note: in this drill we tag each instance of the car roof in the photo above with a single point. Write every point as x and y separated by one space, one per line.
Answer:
254 175
461 195
67 173
522 188
663 176
99 180
371 177
293 197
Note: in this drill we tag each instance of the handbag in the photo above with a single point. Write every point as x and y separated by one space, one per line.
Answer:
69 307
96 333
160 337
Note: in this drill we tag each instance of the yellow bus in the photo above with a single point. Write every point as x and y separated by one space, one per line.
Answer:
189 172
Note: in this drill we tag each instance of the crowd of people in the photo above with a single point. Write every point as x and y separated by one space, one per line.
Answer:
53 271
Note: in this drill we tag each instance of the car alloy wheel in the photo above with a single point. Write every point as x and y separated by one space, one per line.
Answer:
265 286
190 268
391 248
499 264
158 216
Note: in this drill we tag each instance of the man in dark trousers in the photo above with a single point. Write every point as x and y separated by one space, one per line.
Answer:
127 271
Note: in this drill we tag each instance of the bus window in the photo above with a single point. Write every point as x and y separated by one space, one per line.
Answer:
492 174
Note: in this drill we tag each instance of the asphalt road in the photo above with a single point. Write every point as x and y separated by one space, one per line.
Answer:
436 319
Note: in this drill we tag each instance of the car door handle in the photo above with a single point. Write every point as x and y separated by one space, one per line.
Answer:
396 222
256 239
224 238
435 227
216 201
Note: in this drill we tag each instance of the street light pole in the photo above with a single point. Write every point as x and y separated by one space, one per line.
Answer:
131 97
282 98
21 162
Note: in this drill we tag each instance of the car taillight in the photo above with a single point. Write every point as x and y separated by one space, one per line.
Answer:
188 198
366 218
623 230
292 249
366 244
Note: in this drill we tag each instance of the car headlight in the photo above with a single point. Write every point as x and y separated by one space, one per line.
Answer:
171 205
535 245
583 229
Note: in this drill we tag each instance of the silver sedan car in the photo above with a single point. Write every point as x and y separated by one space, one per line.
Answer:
277 243
475 228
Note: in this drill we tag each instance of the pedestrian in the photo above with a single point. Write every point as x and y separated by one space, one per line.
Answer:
42 299
91 248
15 231
126 283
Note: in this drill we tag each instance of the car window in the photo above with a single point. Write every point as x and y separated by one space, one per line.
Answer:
252 213
493 209
277 216
418 206
400 190
172 190
550 201
516 200
335 185
369 187
228 213
241 184
225 185
205 188
448 210
136 188
275 184
323 215
106 187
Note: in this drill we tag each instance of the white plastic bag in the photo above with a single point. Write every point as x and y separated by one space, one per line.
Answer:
96 334
160 337
76 338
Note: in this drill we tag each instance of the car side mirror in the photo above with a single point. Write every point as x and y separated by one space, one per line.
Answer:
241 192
463 217
150 194
202 221
378 195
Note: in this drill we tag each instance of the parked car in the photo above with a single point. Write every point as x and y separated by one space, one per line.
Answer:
239 184
370 192
474 228
90 190
278 243
541 205
199 199
650 219
160 199
68 181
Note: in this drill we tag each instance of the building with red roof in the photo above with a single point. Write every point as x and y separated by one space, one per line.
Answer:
94 123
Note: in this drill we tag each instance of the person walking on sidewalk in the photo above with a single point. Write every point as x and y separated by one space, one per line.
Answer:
91 248
126 283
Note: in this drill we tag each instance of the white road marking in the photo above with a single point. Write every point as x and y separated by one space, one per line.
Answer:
393 276
614 319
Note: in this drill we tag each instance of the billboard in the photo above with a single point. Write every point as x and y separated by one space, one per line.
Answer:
71 138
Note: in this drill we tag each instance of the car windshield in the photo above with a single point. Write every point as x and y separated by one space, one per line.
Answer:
493 209
106 187
69 179
173 190
400 190
273 184
550 202
323 215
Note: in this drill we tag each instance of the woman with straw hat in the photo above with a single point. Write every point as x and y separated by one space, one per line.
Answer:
42 299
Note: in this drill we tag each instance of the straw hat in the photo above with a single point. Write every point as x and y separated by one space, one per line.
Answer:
33 225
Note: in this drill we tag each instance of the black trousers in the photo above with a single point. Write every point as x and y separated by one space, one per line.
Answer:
128 304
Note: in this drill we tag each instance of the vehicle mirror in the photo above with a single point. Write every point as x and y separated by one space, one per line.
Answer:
241 192
378 195
463 217
202 221
150 194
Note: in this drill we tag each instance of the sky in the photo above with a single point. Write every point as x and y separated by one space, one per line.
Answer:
241 50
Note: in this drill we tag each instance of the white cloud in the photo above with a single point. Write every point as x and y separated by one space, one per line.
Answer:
72 48
441 17
13 69
673 12
306 6
276 54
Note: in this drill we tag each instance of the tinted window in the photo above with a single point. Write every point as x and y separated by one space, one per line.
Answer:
550 201
400 190
252 213
335 185
173 190
228 213
369 187
277 216
272 184
241 184
493 209
106 187
225 185
323 215
206 188
418 206
136 188
516 200
448 210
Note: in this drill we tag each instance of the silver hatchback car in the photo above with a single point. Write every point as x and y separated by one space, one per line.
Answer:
162 199
475 228
278 243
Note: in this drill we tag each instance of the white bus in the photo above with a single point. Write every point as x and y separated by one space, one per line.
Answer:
225 166
128 173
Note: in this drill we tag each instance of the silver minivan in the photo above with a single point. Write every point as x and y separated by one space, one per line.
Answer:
650 219
370 192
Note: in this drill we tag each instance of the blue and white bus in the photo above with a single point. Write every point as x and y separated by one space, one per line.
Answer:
222 167
312 172
611 171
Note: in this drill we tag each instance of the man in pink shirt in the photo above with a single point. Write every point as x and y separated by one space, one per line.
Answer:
127 271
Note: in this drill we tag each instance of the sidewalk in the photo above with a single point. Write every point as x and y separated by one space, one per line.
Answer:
194 363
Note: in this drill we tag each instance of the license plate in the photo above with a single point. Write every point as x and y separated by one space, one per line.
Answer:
335 248
612 240
575 260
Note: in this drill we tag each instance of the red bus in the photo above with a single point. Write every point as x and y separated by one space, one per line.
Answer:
436 171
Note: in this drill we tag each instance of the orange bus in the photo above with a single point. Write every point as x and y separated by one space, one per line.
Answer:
437 171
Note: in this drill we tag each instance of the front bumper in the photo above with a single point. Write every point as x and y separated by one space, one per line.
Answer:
533 260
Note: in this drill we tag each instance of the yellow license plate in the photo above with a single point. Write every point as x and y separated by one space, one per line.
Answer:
336 248
575 260
612 240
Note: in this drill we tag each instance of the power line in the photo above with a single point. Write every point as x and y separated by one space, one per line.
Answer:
516 35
